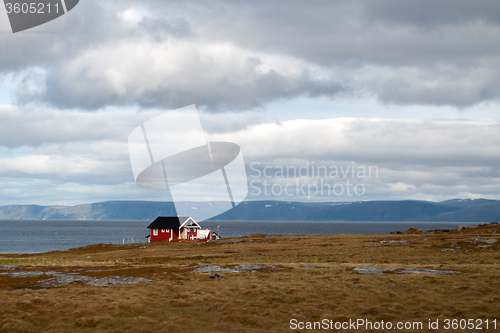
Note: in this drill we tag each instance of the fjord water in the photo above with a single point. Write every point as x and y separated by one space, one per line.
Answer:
43 236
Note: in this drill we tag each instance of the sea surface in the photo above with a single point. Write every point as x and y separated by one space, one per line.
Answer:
44 236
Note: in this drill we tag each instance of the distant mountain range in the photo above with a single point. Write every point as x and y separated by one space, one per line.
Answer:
456 210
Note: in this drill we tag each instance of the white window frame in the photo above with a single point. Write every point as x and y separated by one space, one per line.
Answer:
155 232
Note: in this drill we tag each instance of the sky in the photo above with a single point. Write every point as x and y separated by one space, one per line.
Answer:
406 89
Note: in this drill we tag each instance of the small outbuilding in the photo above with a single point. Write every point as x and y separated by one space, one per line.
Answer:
176 228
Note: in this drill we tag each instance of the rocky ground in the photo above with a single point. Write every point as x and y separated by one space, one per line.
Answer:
255 284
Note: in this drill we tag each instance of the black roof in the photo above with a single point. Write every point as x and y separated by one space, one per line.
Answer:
167 222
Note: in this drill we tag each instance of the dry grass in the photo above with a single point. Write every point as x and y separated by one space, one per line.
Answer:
177 301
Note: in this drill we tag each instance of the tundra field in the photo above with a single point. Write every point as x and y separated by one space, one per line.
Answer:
257 284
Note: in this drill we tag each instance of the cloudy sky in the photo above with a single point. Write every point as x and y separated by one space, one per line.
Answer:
410 88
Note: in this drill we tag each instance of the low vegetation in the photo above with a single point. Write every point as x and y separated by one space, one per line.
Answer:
310 278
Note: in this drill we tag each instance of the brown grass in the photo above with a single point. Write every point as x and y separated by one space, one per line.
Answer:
177 301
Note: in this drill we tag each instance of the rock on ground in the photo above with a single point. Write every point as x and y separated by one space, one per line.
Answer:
59 278
10 268
372 270
425 271
243 268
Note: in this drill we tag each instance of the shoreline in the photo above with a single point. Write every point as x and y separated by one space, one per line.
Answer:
45 236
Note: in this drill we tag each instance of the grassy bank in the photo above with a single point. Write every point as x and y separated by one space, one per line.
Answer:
308 278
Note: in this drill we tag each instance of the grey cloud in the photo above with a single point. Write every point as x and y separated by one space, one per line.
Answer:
88 26
268 87
38 127
392 37
423 53
161 28
250 89
47 192
486 173
30 86
353 32
94 23
428 13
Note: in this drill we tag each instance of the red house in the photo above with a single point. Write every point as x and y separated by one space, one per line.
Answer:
173 228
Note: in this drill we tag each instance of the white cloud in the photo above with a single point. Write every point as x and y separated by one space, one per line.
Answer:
415 158
405 141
